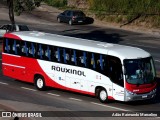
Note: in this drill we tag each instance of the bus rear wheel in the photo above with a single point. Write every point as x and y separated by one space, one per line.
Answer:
39 83
102 95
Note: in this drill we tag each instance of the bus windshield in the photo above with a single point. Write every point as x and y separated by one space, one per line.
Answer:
139 71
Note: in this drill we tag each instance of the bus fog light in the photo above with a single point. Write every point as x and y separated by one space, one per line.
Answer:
129 92
128 98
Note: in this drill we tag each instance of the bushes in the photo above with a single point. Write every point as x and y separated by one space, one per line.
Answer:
126 6
56 3
129 9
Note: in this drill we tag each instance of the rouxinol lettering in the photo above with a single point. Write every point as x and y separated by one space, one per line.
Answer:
66 70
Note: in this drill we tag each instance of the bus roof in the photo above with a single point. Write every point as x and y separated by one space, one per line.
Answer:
121 51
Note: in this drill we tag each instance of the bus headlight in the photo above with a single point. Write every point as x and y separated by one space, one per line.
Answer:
153 91
129 93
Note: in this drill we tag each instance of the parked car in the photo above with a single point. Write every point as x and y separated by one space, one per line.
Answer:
8 28
71 17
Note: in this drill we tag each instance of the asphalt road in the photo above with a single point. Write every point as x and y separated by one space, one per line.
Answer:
24 97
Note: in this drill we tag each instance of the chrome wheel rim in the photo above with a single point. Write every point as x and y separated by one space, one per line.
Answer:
39 83
103 95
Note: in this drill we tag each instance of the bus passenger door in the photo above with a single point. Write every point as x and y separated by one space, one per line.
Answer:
116 76
117 92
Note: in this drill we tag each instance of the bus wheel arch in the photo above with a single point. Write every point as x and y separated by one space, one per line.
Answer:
101 94
39 82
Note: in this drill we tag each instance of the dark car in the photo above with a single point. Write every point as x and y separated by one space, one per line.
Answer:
8 28
71 17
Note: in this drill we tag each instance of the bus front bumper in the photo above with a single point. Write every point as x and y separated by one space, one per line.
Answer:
129 96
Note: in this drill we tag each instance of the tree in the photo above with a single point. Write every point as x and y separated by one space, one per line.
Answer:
11 12
18 6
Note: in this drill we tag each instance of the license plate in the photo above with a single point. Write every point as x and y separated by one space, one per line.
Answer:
144 96
80 21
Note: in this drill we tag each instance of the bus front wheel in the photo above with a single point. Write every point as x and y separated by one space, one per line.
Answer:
102 95
39 83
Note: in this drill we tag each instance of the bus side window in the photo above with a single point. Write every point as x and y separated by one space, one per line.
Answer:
62 52
7 46
82 57
98 62
18 47
101 62
57 54
67 56
24 48
73 57
14 48
40 52
64 55
32 49
91 61
48 53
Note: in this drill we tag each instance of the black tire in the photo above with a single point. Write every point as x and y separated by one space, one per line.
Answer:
59 20
102 95
70 22
39 82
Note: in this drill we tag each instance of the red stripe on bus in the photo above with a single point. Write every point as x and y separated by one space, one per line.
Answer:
145 88
12 36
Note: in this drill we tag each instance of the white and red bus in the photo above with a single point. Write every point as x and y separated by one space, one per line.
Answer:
107 71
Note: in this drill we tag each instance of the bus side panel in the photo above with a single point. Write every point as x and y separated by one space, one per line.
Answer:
17 67
12 66
73 82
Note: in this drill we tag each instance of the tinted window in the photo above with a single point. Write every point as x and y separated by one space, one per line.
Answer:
3 27
115 70
73 57
23 28
82 58
69 13
78 13
12 46
32 49
25 48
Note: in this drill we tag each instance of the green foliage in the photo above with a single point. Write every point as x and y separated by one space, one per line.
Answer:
56 3
129 9
25 5
126 6
17 7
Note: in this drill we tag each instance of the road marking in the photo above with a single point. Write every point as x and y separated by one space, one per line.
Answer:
110 106
53 94
157 60
75 99
3 83
28 89
141 45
